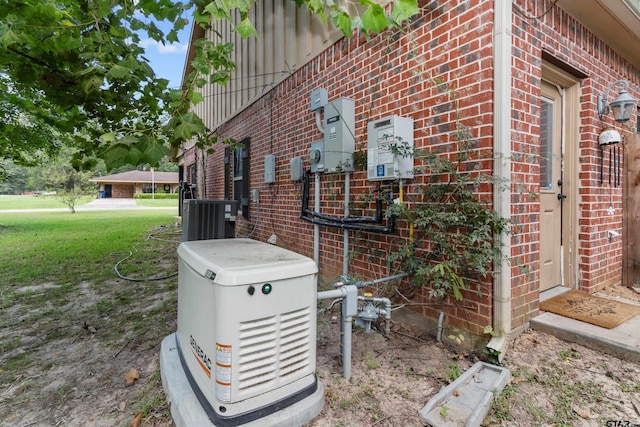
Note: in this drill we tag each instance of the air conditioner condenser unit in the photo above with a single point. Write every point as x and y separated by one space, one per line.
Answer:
245 349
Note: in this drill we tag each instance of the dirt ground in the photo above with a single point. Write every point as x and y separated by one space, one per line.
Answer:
101 368
553 382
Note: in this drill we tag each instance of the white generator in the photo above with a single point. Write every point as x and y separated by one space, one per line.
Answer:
246 339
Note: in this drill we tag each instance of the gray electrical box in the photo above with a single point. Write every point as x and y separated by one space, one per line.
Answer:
269 169
316 156
339 135
319 98
296 167
390 148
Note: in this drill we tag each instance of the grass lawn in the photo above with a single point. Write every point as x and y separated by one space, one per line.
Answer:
69 247
37 202
156 203
70 328
50 202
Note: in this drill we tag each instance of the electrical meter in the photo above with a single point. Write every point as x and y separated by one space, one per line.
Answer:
390 149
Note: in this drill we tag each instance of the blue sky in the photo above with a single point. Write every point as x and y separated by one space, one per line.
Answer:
168 60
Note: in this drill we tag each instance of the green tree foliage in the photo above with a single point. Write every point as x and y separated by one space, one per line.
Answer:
76 66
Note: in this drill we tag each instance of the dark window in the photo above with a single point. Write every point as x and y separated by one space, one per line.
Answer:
191 179
147 188
227 173
241 176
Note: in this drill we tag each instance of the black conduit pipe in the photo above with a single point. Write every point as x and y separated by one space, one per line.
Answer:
344 223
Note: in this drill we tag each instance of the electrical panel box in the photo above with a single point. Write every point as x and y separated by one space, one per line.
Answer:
269 169
319 98
297 169
246 327
390 148
316 156
339 135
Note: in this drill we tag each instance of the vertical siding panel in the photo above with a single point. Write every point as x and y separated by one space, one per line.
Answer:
260 45
291 39
279 39
251 67
317 34
303 31
288 37
268 39
244 95
218 113
233 89
228 90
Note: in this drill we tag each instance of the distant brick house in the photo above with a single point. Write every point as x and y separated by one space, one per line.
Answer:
527 74
125 185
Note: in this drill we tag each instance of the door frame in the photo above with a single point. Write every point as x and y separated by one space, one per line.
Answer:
570 85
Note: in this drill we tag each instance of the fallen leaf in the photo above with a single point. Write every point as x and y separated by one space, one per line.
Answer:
131 376
122 405
636 404
582 412
517 380
456 393
136 420
89 328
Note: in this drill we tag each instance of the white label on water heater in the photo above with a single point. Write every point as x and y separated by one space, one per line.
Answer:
223 372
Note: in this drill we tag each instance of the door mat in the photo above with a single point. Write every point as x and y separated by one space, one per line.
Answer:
598 311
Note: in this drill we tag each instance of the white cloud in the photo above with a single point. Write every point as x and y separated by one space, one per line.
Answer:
163 49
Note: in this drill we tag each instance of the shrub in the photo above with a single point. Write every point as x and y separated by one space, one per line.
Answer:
157 196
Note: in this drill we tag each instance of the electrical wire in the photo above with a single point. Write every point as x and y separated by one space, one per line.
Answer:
322 311
129 254
527 16
255 227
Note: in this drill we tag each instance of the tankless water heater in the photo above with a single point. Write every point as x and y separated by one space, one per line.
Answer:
246 327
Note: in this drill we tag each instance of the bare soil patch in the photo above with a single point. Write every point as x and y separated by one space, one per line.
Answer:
65 351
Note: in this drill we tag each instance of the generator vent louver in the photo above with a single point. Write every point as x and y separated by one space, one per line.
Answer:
273 349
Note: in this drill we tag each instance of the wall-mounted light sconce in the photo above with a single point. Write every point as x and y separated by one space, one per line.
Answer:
622 107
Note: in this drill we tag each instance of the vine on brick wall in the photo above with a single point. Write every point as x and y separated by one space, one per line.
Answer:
454 227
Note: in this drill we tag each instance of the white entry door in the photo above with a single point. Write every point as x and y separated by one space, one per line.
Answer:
551 194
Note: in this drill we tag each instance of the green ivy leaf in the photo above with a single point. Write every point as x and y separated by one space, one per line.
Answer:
188 126
92 84
155 151
108 137
404 9
374 19
118 72
342 20
9 38
196 97
114 155
246 29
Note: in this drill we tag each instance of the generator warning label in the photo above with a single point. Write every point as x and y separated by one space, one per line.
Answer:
223 372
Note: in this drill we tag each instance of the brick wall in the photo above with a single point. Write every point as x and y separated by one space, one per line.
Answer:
539 29
448 46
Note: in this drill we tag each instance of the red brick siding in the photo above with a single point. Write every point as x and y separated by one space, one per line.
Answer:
398 74
562 36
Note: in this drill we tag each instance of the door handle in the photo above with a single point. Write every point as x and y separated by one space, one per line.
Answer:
561 196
